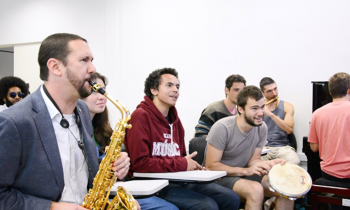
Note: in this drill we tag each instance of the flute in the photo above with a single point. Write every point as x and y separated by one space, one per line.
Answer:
270 101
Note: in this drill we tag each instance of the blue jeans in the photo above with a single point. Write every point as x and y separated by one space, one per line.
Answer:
155 203
195 196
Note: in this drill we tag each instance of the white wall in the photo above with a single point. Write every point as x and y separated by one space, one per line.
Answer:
31 21
6 62
26 64
294 42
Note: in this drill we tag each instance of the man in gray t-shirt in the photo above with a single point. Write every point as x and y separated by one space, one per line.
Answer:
235 144
237 147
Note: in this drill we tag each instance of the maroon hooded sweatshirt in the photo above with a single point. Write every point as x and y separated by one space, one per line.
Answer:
154 145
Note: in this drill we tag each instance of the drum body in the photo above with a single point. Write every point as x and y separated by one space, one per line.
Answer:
289 180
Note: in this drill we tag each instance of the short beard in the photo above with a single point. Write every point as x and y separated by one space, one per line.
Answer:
250 122
8 103
78 85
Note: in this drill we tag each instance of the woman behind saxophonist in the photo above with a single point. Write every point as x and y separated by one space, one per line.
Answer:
102 133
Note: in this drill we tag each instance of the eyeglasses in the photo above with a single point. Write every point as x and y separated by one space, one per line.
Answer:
13 94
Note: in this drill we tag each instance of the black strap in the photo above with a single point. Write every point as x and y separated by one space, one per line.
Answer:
65 124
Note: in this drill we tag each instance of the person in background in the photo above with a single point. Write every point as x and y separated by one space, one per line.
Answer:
12 90
278 116
329 134
329 131
220 109
103 132
99 116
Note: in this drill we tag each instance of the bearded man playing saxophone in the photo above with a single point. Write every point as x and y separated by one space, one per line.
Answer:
279 120
47 154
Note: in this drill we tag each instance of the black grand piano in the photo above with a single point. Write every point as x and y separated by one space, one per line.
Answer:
320 97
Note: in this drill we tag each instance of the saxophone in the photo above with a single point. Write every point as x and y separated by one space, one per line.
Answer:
98 197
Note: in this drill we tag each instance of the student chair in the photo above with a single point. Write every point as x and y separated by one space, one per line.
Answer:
292 140
198 144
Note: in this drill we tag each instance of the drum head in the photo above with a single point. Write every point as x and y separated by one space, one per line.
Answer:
290 180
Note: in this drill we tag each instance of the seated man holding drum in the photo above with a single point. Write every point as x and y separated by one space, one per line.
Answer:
235 144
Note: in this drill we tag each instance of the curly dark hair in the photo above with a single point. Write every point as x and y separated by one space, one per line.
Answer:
102 128
250 91
10 81
55 46
153 80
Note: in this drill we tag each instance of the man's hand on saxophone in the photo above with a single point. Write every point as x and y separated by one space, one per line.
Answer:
121 166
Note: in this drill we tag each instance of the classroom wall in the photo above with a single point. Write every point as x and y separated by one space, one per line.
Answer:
294 42
6 62
26 65
25 22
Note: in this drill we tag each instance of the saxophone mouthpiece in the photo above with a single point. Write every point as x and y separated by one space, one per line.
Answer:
97 87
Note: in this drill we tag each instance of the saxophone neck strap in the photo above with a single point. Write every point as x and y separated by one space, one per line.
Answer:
65 124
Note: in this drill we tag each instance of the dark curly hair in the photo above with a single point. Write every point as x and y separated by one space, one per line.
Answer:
153 80
55 46
250 91
10 81
102 128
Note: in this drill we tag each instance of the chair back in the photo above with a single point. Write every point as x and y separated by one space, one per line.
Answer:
292 140
198 144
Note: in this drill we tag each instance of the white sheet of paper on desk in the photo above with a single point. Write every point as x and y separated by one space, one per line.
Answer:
141 187
185 175
346 202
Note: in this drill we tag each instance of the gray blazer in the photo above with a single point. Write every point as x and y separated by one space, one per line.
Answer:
31 173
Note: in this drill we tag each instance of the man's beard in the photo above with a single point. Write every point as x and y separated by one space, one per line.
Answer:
250 121
8 102
78 85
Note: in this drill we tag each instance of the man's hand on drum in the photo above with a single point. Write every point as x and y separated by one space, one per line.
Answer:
259 168
121 165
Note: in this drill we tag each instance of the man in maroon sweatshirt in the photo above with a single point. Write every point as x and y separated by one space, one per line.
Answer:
156 144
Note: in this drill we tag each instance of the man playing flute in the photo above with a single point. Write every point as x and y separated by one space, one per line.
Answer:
279 120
